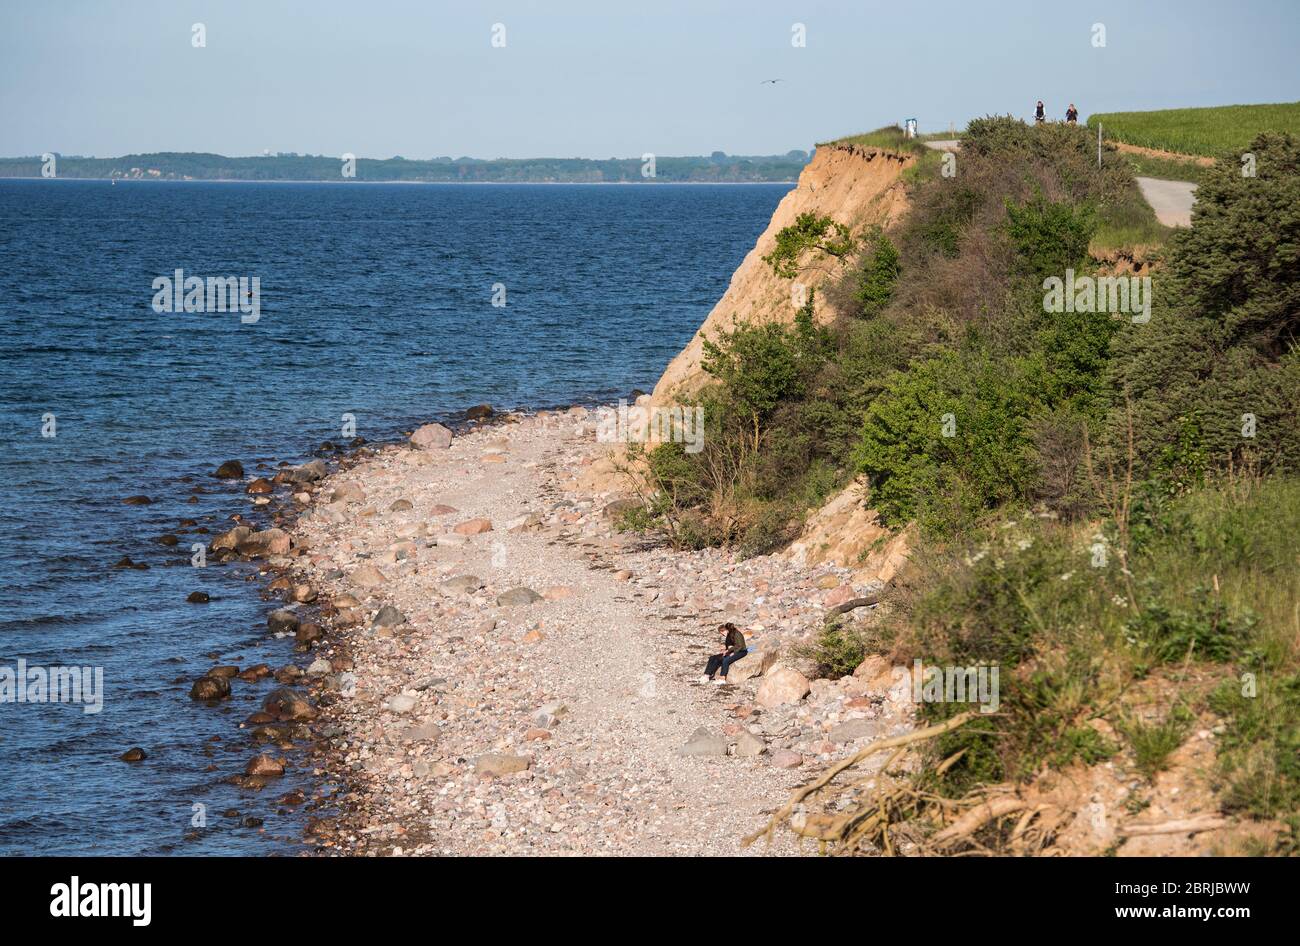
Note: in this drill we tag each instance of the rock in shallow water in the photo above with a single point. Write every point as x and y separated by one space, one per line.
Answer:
265 543
230 470
282 621
264 765
307 473
285 703
210 688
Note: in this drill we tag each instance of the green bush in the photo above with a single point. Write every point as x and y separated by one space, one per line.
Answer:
946 439
1049 237
877 278
837 651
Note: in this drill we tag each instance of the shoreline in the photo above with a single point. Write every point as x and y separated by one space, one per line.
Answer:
498 670
246 502
235 180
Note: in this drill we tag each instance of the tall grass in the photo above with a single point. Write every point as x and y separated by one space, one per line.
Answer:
1205 602
1200 131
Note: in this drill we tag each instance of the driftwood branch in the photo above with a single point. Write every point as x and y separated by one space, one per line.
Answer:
829 775
1180 826
977 817
850 605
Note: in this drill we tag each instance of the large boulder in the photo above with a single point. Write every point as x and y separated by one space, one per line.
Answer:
781 685
516 597
230 470
704 743
431 437
753 664
349 491
265 543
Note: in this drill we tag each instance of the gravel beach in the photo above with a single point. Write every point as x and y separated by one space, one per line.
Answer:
501 671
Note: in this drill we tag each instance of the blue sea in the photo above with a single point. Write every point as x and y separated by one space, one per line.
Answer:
374 301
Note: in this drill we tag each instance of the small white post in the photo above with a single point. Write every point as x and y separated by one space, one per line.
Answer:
1098 144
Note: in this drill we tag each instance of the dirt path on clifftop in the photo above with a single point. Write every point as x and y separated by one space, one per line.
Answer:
592 686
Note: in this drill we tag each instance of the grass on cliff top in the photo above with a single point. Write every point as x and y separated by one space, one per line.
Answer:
1126 224
890 136
1199 131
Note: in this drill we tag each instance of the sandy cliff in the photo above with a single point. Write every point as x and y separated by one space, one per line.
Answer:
859 187
855 186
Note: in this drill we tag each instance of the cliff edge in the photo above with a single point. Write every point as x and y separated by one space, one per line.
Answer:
854 185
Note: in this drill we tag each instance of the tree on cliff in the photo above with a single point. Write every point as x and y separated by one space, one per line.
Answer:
809 232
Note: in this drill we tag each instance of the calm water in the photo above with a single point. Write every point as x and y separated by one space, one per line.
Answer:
376 301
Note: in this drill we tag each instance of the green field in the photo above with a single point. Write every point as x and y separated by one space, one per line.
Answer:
1200 131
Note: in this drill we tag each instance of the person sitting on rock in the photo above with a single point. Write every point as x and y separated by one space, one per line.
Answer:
733 648
1072 115
1040 112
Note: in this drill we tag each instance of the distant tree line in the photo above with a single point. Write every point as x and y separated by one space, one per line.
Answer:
718 167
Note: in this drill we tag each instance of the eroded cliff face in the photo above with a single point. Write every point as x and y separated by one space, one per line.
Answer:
855 186
858 187
845 532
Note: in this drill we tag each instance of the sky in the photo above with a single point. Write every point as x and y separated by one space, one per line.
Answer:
617 78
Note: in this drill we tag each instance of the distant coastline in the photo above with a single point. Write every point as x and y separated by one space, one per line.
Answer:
237 180
717 168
